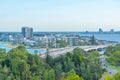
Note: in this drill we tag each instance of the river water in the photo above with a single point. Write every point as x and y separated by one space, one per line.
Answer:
99 36
104 36
32 51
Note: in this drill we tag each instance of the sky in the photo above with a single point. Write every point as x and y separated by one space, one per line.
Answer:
60 15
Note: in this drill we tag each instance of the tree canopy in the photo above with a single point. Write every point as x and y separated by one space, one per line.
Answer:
18 64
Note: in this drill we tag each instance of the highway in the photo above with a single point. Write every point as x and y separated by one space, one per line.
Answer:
104 65
61 51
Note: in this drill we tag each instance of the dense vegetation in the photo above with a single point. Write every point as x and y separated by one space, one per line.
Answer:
113 58
113 53
18 64
115 77
93 40
61 43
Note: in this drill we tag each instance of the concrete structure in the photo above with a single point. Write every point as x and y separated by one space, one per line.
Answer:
30 43
49 39
27 32
100 30
112 31
46 40
72 41
62 51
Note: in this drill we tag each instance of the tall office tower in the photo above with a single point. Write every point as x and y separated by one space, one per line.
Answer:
27 32
31 32
112 30
100 30
24 30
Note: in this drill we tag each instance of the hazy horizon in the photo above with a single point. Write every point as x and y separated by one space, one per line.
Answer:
60 15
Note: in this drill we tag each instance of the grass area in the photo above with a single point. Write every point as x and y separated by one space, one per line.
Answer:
113 67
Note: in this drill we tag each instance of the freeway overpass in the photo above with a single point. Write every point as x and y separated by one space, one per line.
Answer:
62 51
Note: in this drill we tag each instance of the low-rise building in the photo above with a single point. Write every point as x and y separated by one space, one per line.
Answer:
30 43
72 41
46 40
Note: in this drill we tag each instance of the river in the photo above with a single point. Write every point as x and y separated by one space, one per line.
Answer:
104 36
32 51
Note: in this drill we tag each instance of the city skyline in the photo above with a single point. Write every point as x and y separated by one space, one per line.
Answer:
63 15
98 30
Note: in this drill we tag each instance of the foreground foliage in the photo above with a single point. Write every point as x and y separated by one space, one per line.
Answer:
18 64
115 77
113 54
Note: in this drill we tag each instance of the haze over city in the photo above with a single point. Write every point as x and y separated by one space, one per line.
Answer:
59 39
60 15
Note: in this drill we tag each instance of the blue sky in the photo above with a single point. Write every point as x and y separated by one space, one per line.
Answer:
60 15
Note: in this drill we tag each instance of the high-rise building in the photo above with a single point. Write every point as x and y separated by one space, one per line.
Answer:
31 32
112 30
27 32
100 30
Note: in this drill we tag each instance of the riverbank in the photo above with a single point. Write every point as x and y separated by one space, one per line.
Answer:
7 44
31 51
114 37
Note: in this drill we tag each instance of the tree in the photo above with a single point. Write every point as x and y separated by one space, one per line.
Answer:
2 55
51 45
115 77
40 44
62 43
109 50
22 48
49 59
109 78
23 68
18 53
71 72
78 51
49 75
5 71
67 65
58 71
73 77
77 58
114 58
18 64
93 40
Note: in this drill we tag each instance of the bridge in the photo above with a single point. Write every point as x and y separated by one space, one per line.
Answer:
93 48
62 51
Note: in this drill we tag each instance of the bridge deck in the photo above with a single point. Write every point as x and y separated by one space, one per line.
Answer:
61 51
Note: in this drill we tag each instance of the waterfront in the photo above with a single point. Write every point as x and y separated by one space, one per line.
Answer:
99 36
31 51
55 51
104 36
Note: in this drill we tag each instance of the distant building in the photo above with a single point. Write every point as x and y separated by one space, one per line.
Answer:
100 30
4 37
49 39
27 32
112 31
30 43
31 32
46 40
72 41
